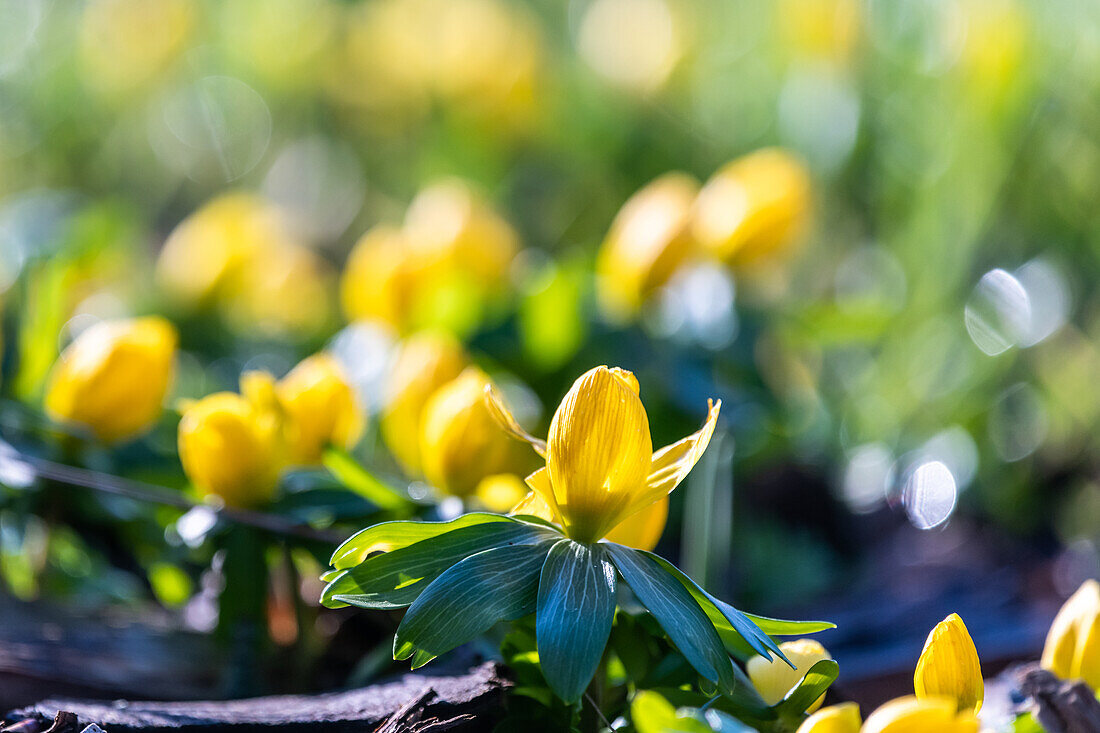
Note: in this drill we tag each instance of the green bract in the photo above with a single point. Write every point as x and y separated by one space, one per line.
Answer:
458 578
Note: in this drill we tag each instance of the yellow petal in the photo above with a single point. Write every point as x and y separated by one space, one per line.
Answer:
1086 658
113 377
949 666
671 464
841 718
599 452
539 481
773 678
508 422
912 715
425 363
323 407
1061 643
534 505
460 441
643 529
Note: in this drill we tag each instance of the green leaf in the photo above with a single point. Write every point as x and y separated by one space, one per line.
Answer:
395 579
733 627
389 536
576 606
813 685
354 476
782 627
500 584
652 713
677 612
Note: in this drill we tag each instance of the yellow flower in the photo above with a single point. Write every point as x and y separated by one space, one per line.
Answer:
600 465
500 492
841 718
424 363
381 278
113 377
232 446
460 441
1072 649
753 208
921 715
321 406
773 678
949 666
649 239
825 30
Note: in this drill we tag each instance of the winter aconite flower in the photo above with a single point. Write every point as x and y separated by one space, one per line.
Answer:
774 678
949 666
460 441
321 407
233 446
649 239
753 208
841 718
912 714
600 465
1072 649
113 377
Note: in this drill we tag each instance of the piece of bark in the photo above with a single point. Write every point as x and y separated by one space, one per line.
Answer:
413 703
1060 706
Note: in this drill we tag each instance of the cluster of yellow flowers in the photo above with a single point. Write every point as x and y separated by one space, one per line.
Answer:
947 683
235 446
750 212
238 254
443 268
438 427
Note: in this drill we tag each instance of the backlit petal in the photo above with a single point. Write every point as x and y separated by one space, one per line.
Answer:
840 718
539 481
599 452
642 529
911 715
949 666
508 422
534 505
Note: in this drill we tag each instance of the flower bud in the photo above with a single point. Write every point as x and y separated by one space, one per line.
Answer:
649 239
841 718
773 678
424 363
381 278
753 208
1060 653
113 377
460 440
232 447
921 715
949 666
321 408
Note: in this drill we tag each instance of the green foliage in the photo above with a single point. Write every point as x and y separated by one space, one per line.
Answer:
354 476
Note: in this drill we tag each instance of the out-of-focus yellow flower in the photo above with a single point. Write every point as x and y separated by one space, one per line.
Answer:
283 41
949 666
921 715
1072 649
500 492
820 30
381 278
321 407
633 44
425 362
995 48
753 208
773 678
126 43
236 252
113 377
460 441
649 239
840 718
600 465
233 446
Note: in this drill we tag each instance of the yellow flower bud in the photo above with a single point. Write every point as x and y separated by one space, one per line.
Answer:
113 377
500 492
649 239
753 208
232 447
1060 654
321 406
460 441
949 666
773 678
1086 658
424 363
381 279
841 718
921 715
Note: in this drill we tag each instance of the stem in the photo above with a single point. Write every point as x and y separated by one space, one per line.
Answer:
592 718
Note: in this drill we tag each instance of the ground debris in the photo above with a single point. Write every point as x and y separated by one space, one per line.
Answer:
1060 706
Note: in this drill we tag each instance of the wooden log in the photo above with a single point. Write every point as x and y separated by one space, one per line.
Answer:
414 703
